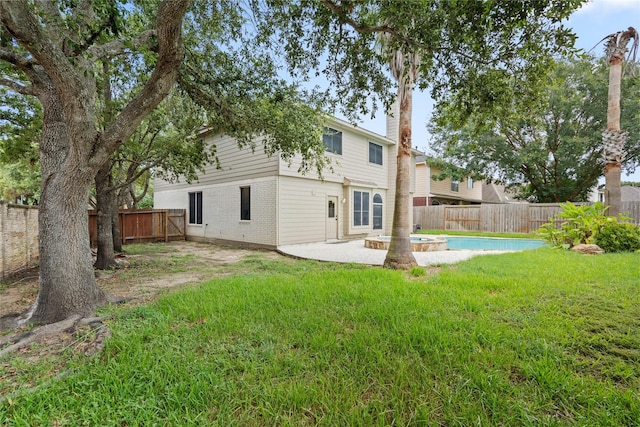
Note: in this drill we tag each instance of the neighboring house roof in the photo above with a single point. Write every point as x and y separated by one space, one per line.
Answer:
630 194
450 196
496 193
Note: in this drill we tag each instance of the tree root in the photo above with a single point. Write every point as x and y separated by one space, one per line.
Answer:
23 339
119 300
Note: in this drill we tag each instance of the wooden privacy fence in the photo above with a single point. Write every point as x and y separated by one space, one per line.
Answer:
145 225
496 218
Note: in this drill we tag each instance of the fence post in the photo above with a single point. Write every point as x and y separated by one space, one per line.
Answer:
123 232
166 225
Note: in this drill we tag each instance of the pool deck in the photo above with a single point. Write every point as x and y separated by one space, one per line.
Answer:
353 251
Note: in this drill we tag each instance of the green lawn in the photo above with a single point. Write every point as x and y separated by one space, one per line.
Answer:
543 337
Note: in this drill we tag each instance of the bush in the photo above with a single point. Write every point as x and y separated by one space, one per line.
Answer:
618 237
579 225
590 224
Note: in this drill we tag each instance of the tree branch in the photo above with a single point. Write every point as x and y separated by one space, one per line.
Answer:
343 14
117 47
169 30
66 77
359 27
17 87
132 179
52 12
19 61
20 22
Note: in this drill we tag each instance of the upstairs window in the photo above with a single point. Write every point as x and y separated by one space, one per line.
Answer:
375 153
470 183
332 140
455 185
195 208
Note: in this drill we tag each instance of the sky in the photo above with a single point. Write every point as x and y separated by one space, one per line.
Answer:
592 22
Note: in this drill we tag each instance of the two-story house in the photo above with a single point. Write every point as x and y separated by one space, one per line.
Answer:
444 192
264 201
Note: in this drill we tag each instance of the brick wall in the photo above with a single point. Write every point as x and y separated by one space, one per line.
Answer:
18 238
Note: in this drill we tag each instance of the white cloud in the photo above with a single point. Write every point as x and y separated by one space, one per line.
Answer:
610 6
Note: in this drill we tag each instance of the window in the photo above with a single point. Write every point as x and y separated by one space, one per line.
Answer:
377 212
375 153
195 208
360 208
331 209
245 203
332 140
455 185
470 183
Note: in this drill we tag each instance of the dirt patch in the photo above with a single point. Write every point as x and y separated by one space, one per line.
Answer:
142 276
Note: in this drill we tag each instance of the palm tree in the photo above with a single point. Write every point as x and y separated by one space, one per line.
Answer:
613 137
404 68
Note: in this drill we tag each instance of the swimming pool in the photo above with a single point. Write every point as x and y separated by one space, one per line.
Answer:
423 243
491 243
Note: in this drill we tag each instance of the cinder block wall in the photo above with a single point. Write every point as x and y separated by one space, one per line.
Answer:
18 238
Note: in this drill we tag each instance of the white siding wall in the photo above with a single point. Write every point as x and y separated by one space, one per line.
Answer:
303 209
354 161
286 207
236 164
221 210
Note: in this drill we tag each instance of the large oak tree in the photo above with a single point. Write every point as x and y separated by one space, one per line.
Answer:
53 50
64 54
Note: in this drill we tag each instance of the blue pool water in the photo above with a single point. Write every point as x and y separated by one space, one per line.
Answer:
492 243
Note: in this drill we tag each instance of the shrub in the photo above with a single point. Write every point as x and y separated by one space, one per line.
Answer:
618 237
579 225
584 223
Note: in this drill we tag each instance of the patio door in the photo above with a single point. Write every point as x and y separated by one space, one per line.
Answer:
332 217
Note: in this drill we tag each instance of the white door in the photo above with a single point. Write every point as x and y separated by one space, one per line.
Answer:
332 217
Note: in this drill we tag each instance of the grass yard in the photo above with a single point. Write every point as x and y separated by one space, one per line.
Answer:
543 337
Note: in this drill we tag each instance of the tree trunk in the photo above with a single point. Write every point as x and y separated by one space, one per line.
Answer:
71 150
115 227
613 193
105 202
399 255
67 282
613 152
